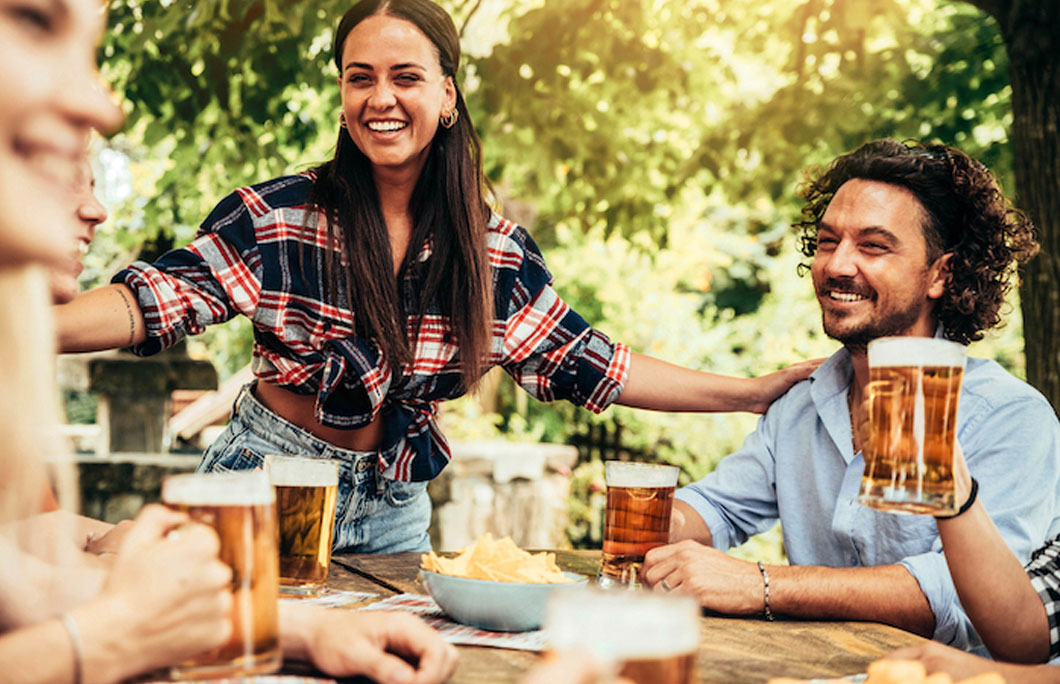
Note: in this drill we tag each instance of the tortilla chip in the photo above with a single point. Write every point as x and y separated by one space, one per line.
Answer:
499 561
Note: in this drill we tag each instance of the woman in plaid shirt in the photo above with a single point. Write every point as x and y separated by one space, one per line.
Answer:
1014 609
380 284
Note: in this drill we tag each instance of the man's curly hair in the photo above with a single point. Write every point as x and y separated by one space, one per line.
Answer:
965 214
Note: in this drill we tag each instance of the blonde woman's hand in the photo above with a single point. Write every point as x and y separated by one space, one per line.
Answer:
167 597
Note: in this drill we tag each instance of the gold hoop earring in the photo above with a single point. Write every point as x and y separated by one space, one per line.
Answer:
342 119
449 120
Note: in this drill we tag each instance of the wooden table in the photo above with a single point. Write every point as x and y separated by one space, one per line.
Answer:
731 651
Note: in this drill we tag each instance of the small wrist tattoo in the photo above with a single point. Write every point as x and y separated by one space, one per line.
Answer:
132 322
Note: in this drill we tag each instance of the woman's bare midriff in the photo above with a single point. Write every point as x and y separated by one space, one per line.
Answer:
299 409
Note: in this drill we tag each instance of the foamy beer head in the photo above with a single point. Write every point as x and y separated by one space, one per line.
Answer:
240 506
629 474
306 495
243 488
297 471
649 637
913 392
916 351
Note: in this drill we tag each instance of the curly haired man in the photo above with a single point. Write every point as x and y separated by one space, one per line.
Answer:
902 239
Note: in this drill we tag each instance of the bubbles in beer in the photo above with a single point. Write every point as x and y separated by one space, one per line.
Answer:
913 391
240 508
636 518
306 496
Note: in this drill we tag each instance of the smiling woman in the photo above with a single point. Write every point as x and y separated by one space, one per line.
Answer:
380 284
52 98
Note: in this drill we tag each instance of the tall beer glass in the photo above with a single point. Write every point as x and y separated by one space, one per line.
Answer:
646 637
306 492
640 498
914 387
241 507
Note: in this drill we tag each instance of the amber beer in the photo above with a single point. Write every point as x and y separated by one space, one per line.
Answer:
646 637
914 387
640 498
241 507
306 493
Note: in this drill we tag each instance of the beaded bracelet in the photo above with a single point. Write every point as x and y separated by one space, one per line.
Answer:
765 580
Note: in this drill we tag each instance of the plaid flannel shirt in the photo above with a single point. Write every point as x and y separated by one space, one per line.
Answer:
254 255
1044 571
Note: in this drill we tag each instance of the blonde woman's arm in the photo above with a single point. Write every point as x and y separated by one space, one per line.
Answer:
166 599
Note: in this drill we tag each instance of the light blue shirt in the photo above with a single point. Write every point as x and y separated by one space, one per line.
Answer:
799 466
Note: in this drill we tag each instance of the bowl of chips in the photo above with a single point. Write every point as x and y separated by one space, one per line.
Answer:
495 585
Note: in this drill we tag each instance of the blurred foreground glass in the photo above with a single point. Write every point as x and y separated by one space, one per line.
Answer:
640 498
914 387
646 637
241 507
306 492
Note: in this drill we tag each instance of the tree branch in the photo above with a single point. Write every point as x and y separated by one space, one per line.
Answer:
467 19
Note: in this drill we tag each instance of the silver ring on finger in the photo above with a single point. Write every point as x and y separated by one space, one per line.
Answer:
666 585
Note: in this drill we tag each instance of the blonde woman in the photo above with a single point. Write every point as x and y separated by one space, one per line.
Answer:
165 597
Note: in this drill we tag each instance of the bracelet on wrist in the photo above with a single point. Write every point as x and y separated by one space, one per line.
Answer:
966 505
76 645
766 611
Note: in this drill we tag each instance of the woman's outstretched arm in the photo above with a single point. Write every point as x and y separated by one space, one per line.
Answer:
663 386
107 317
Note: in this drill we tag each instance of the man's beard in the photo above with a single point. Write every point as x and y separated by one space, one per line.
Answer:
857 339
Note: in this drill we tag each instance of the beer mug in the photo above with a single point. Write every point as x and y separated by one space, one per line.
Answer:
241 508
914 386
306 493
646 637
640 498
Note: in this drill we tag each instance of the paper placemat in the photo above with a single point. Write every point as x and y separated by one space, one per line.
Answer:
456 633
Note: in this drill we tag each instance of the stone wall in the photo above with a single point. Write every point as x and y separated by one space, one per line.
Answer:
508 489
115 487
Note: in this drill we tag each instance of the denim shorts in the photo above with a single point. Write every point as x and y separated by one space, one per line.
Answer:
373 514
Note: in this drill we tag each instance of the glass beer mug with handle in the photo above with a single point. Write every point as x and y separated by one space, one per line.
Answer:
914 386
241 508
640 499
306 494
643 636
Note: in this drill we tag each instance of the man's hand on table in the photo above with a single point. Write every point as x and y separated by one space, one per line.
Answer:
718 581
388 647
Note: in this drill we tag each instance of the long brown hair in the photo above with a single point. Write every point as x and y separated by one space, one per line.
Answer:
448 209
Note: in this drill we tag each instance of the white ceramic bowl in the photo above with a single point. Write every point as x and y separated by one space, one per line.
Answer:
495 606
